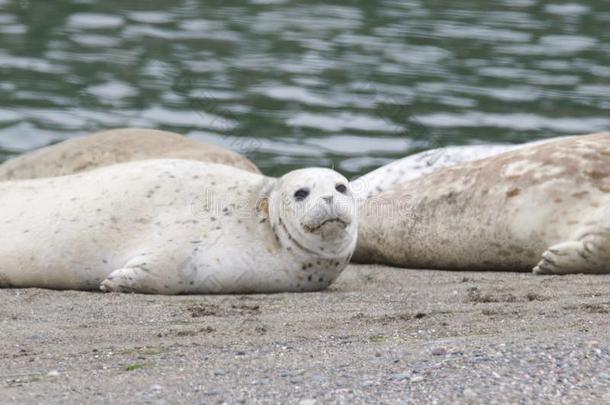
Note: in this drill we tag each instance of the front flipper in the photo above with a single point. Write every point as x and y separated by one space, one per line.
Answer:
589 254
146 275
127 280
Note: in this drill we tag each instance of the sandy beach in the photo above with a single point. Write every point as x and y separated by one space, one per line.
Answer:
379 334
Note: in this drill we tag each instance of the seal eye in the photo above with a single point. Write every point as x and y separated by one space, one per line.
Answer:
341 188
301 194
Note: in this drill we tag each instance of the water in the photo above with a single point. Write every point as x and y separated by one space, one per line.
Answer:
351 84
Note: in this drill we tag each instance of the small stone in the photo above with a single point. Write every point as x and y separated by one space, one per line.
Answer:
400 376
219 371
470 394
53 373
307 402
439 351
319 378
417 378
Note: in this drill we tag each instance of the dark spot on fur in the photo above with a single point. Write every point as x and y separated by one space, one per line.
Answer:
513 193
596 175
451 197
580 194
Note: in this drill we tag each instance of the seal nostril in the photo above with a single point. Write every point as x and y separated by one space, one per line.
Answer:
328 198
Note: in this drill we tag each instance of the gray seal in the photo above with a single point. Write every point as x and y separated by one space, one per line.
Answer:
116 146
544 207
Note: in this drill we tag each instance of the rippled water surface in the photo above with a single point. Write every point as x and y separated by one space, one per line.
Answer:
352 84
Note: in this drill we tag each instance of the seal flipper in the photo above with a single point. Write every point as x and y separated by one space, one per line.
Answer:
589 254
138 280
123 280
145 275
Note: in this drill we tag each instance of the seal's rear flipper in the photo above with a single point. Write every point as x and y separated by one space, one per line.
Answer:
589 254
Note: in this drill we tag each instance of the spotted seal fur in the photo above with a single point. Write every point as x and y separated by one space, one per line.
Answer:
423 163
177 226
544 207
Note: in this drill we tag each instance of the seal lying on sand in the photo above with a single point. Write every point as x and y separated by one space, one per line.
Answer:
116 146
177 226
545 207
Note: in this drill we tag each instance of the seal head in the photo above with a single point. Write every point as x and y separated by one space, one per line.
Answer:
314 210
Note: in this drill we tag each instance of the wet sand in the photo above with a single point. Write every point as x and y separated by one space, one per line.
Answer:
378 334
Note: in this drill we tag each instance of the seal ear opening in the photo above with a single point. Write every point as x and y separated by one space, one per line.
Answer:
262 206
263 201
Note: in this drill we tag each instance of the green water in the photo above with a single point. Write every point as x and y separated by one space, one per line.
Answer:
351 84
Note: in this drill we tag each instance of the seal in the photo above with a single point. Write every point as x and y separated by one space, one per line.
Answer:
177 226
545 207
116 146
423 163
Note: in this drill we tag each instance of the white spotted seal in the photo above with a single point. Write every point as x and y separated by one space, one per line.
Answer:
177 226
116 146
544 207
420 164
